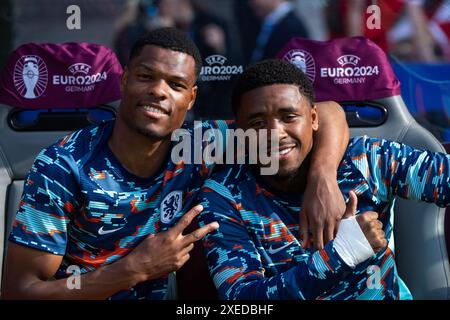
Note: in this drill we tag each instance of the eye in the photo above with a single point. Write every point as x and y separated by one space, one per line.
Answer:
290 117
144 76
257 124
176 85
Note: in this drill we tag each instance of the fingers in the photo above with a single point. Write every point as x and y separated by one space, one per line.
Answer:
174 266
374 231
186 220
328 233
370 216
380 243
187 249
376 225
200 233
351 205
181 262
304 229
318 237
336 228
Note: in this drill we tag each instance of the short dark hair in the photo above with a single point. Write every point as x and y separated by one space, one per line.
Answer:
269 72
169 38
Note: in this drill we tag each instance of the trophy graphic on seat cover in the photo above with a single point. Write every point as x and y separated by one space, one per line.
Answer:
302 60
30 76
298 59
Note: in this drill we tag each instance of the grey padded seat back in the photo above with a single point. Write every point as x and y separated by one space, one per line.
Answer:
420 247
5 182
17 152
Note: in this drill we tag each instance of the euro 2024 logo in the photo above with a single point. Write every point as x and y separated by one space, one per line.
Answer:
216 70
302 60
30 76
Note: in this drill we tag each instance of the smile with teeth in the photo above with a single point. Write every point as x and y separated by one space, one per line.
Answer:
282 152
154 110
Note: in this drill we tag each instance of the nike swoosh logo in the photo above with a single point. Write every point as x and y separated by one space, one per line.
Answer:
273 251
102 232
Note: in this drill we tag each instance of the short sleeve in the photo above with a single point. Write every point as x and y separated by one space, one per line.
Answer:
49 199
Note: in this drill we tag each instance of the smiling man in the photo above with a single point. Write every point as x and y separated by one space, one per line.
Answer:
109 201
256 252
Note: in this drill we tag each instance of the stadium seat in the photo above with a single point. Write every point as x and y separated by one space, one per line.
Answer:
356 73
47 91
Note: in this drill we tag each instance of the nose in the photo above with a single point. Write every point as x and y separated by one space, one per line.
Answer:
277 125
158 89
275 138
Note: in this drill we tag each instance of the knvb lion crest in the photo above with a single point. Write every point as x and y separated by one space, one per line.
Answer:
171 205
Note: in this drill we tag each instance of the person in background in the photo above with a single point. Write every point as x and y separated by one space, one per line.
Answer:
278 24
312 13
409 29
210 34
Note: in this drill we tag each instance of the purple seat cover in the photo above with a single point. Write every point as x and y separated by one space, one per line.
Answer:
344 69
68 75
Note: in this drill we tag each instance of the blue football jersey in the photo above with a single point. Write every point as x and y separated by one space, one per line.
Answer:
81 203
256 253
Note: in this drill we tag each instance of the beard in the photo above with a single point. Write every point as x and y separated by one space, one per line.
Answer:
288 174
149 134
294 176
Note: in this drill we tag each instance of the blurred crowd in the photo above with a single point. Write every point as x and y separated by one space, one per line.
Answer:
411 30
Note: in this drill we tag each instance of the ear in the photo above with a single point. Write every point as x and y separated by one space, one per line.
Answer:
193 97
124 79
314 118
